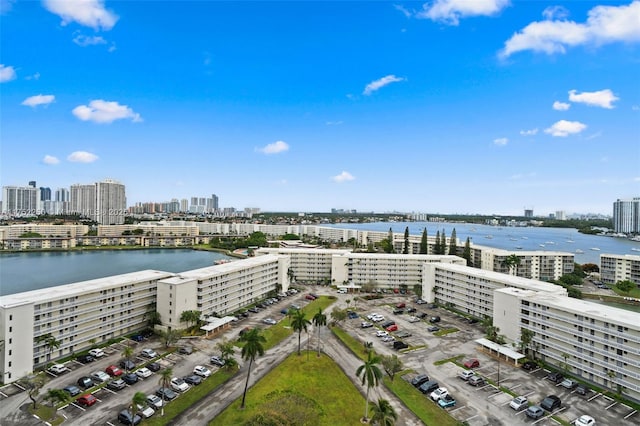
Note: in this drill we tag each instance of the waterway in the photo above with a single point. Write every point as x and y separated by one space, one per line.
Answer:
21 272
516 238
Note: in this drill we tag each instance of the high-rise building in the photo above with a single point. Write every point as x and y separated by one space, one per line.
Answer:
83 200
561 215
528 212
626 215
111 202
45 194
62 194
20 200
215 199
184 205
32 183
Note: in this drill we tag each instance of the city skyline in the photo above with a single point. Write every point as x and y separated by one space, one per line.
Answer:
437 107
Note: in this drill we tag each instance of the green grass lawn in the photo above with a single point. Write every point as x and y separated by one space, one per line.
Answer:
633 293
445 331
312 390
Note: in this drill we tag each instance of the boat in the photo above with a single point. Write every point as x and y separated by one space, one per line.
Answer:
595 249
549 242
519 247
578 251
635 249
541 245
513 239
525 238
489 237
570 241
221 261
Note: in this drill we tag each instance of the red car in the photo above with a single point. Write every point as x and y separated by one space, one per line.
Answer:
309 297
87 400
393 327
472 363
113 371
400 305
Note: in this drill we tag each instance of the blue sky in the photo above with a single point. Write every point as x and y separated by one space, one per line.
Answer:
447 106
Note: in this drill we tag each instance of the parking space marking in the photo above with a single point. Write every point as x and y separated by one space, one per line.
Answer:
77 406
456 409
5 396
594 397
610 405
18 386
472 417
516 386
630 414
108 390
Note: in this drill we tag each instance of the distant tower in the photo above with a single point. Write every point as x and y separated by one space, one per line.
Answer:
626 215
528 212
32 183
45 194
111 202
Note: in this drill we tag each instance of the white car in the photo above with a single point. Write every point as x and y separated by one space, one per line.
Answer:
179 385
154 401
414 319
585 420
466 374
439 393
145 410
381 333
57 368
100 376
378 318
202 371
149 353
518 403
143 373
97 353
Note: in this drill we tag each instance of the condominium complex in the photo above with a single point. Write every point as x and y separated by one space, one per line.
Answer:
111 202
626 216
619 267
538 265
311 266
20 200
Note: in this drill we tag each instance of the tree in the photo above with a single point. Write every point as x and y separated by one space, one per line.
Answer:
424 242
169 337
165 378
526 336
153 318
253 347
290 275
127 353
466 253
391 364
443 243
417 289
299 323
626 286
338 315
511 262
383 413
50 343
590 268
139 399
319 320
436 247
258 239
491 332
453 248
405 250
56 396
570 279
371 376
227 350
190 317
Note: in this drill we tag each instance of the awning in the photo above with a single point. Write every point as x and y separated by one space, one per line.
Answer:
501 350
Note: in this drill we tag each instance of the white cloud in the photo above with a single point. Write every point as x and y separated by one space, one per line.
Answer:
50 159
530 132
275 148
34 101
450 11
84 41
7 73
402 10
343 177
555 12
380 83
501 141
36 76
605 24
100 111
82 157
564 128
334 123
601 98
561 106
89 13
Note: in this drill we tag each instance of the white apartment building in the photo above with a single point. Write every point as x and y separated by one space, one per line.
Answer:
220 289
21 200
384 270
46 230
619 267
111 202
164 229
626 216
471 290
75 315
82 200
599 343
537 265
310 266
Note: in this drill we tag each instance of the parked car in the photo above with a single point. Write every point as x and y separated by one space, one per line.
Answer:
72 390
388 339
216 360
137 337
149 353
466 374
438 393
193 379
100 377
352 315
145 411
130 378
447 401
551 403
154 366
113 371
534 412
555 377
519 402
434 319
393 327
154 401
401 305
127 418
381 333
403 334
398 311
411 310
433 328
116 385
585 420
476 381
568 383
179 384
127 364
143 373
422 315
87 400
421 302
428 386
269 321
472 363
57 368
97 353
186 350
85 359
582 389
419 380
166 394
201 371
309 297
85 382
529 366
366 324
387 324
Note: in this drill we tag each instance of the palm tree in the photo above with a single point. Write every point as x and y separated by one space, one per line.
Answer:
511 262
319 320
50 343
253 347
165 378
139 399
371 375
56 396
299 324
227 350
383 413
127 353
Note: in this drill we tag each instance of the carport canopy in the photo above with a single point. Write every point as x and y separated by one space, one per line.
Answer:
502 351
215 323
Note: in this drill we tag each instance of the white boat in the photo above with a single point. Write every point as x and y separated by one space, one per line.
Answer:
635 249
595 249
541 245
578 251
549 242
570 241
489 237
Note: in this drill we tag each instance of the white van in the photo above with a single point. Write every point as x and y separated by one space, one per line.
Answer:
57 368
342 291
